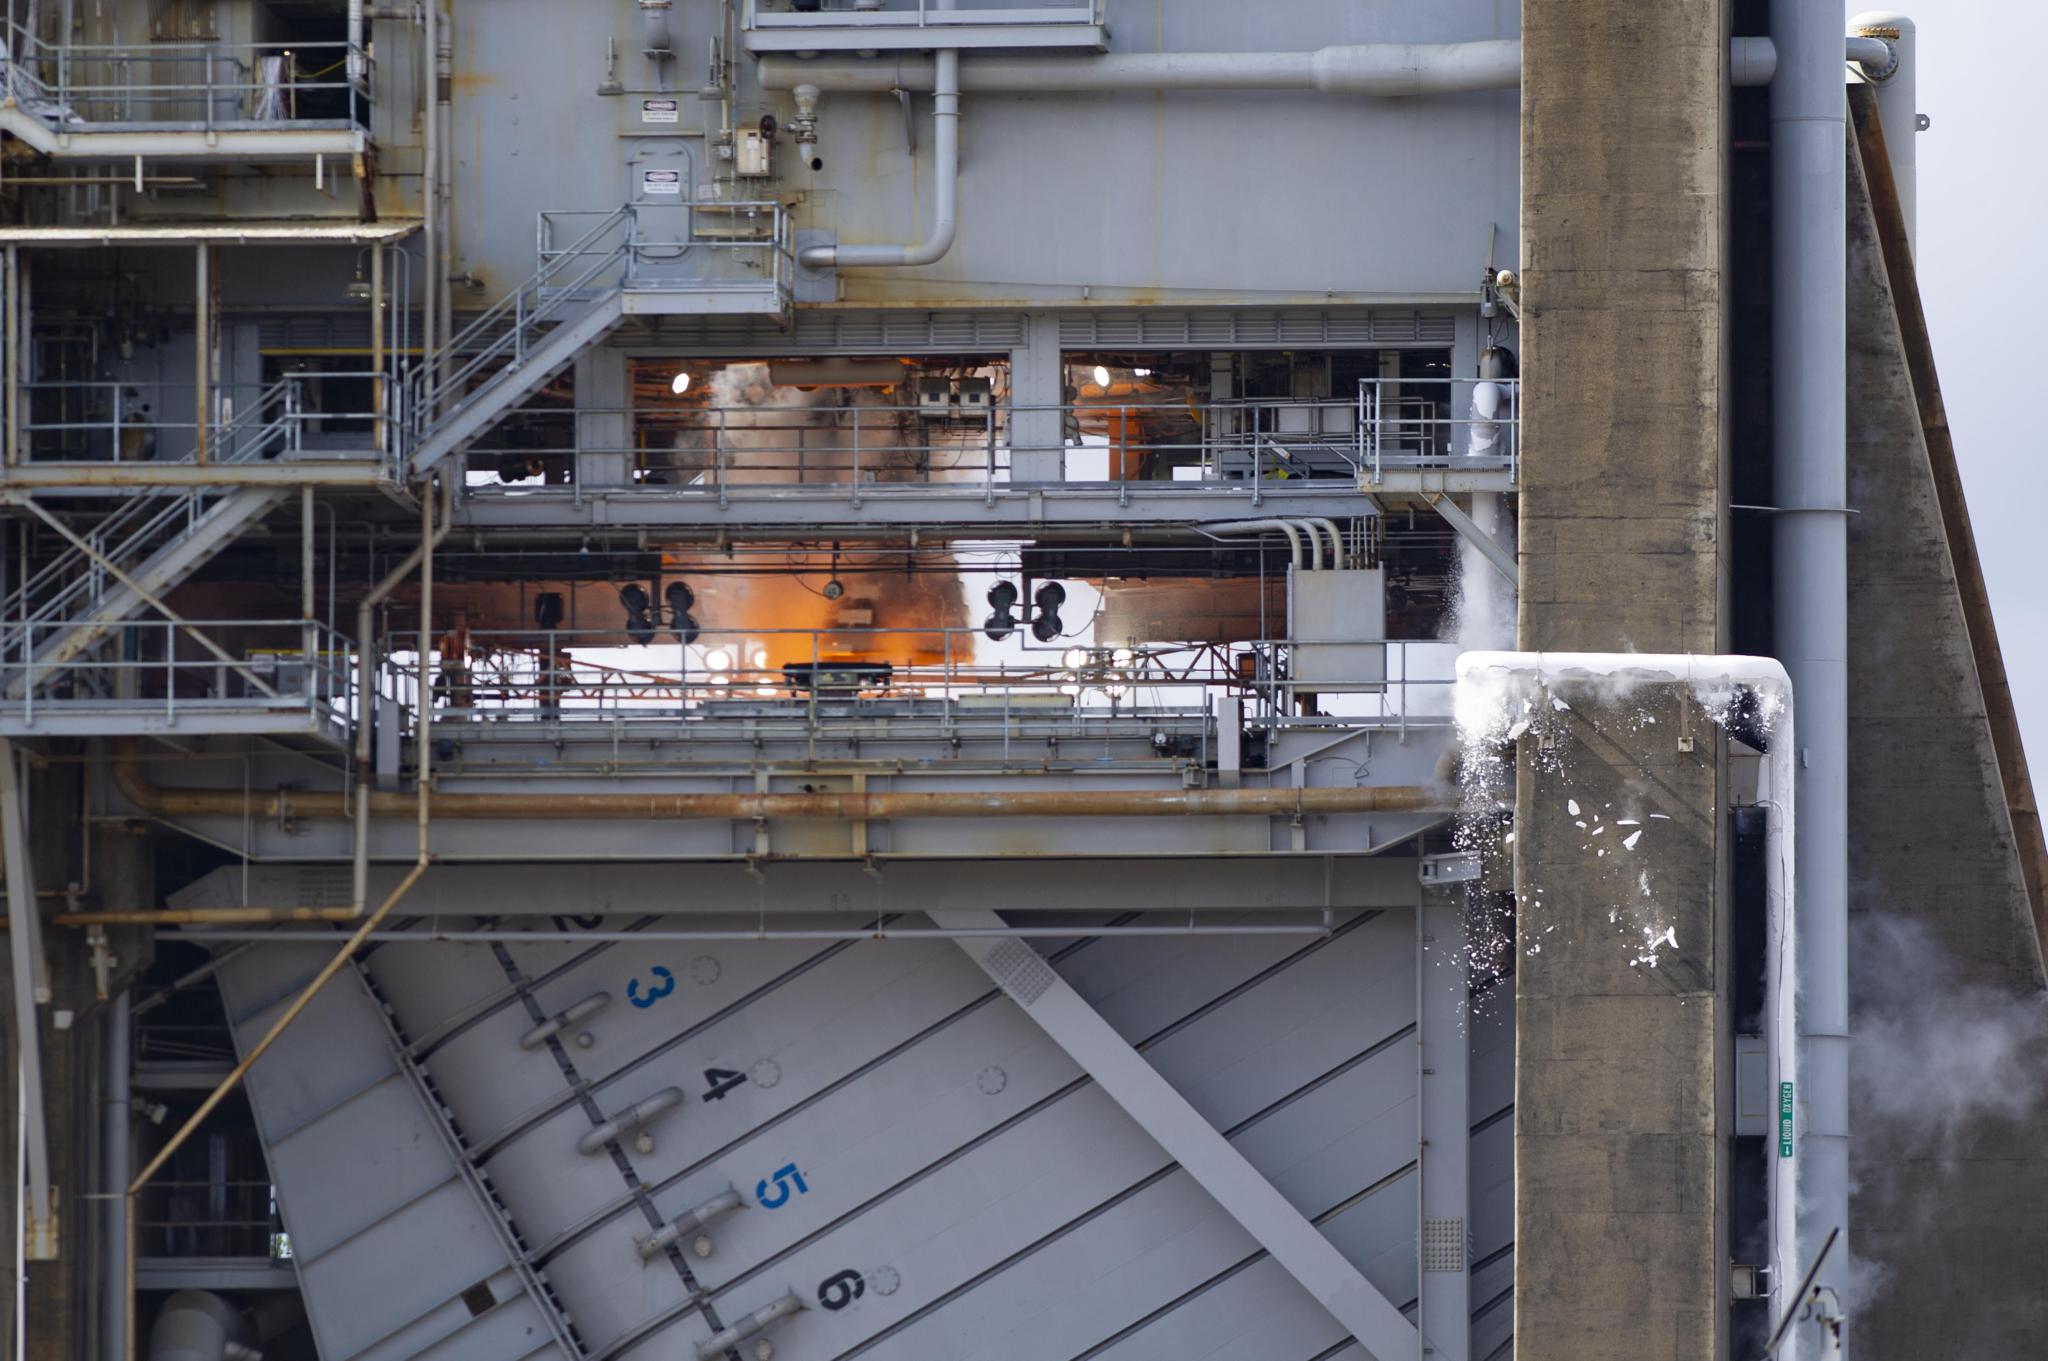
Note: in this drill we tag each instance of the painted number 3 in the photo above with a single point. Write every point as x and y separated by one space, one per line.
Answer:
650 996
785 1179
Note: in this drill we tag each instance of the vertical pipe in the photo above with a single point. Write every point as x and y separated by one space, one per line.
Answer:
358 63
444 79
430 196
115 1158
202 348
377 389
1809 339
1898 102
10 338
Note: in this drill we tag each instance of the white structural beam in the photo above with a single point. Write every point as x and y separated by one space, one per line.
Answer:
31 988
1443 1152
1470 531
1134 1084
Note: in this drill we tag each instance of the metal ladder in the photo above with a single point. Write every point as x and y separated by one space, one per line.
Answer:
499 1216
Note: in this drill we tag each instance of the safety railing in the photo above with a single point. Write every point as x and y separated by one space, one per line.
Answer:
501 336
210 1219
210 86
742 249
748 439
822 679
1431 423
281 666
880 14
332 414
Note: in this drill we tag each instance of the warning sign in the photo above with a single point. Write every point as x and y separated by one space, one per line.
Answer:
660 111
661 182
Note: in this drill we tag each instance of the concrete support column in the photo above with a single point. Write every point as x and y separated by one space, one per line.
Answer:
604 429
1038 379
1620 1170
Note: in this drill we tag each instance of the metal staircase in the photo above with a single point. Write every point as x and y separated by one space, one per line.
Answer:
505 355
518 1252
727 258
156 539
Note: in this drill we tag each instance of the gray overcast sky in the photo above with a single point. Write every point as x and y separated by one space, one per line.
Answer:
1981 198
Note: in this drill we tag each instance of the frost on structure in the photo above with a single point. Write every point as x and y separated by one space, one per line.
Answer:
1507 701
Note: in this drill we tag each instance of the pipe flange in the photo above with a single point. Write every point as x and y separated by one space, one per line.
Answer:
1890 38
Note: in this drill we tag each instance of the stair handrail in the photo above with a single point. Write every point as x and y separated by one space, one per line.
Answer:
144 517
541 298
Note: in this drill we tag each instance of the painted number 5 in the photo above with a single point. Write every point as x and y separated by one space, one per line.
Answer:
654 994
785 1178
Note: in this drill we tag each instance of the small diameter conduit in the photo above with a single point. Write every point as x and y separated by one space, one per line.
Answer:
428 538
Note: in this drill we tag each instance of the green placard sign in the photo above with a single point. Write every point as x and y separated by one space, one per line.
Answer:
1784 1119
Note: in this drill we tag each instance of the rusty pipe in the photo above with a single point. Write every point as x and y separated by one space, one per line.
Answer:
289 804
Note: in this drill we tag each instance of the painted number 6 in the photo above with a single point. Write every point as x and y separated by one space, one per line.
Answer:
654 994
836 1292
785 1178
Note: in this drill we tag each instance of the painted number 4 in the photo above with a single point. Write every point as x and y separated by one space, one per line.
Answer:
785 1178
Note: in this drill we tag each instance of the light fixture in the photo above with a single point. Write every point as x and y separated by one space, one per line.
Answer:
680 383
1002 598
680 621
1101 376
1122 657
358 289
1141 373
759 658
1048 598
1074 658
717 659
639 612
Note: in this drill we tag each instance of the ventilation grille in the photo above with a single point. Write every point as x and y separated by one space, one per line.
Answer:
1225 328
1021 970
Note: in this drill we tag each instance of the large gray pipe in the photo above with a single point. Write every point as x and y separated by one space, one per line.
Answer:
198 1325
1809 339
115 1150
1386 69
1898 100
945 186
1382 70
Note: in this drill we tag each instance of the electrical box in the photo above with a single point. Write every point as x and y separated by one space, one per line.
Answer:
977 397
935 399
753 154
1337 629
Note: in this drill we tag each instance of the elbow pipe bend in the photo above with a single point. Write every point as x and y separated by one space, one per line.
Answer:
946 189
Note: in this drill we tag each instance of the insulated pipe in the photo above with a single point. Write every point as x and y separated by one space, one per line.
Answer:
366 702
116 1151
1809 336
634 1117
1329 527
721 1342
563 1019
1387 70
1291 528
358 63
945 187
289 804
1898 105
198 1325
654 1244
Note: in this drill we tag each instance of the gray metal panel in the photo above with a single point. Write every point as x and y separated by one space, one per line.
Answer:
388 1238
926 1115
